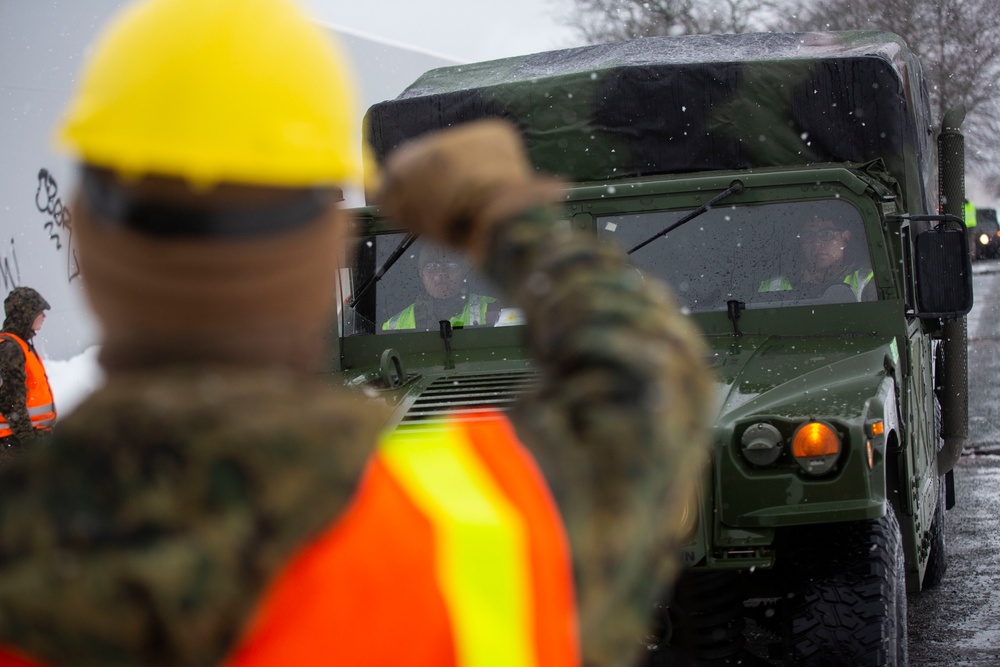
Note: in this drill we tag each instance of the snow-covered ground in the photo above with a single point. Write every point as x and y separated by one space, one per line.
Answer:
73 379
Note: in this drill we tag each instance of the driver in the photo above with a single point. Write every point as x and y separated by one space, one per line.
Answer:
444 277
826 259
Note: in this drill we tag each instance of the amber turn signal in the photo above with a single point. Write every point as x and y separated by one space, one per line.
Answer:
815 447
815 439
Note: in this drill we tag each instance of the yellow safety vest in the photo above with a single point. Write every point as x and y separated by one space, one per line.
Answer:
474 314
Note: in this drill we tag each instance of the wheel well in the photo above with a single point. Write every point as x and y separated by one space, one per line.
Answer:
894 472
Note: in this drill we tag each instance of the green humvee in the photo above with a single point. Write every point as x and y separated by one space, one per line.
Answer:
720 162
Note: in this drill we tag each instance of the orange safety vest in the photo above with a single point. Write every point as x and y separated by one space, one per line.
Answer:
41 405
11 658
450 554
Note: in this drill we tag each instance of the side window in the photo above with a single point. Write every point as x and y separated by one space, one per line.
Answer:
426 284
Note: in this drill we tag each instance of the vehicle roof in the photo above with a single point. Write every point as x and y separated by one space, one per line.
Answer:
688 103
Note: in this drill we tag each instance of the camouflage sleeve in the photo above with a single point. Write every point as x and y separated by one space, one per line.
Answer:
14 390
619 423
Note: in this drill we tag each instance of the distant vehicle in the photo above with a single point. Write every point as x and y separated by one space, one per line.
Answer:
841 412
986 235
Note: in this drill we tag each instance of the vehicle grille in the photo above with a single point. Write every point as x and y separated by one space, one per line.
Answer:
466 394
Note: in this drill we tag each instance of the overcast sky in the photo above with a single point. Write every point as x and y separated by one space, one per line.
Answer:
467 30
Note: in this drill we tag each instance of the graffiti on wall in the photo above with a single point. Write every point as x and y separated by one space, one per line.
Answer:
10 272
57 225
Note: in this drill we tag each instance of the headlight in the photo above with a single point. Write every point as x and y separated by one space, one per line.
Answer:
816 447
761 444
984 239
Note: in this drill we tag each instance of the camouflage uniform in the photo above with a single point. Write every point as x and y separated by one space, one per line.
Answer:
618 425
146 532
21 307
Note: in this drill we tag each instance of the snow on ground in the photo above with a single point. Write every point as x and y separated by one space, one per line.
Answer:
74 379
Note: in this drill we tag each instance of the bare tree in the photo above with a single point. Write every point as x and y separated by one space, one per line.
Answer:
616 20
956 41
958 48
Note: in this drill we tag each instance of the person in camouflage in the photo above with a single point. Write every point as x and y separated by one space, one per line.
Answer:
445 295
169 499
21 373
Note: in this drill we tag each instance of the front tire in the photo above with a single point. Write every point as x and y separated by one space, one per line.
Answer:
848 604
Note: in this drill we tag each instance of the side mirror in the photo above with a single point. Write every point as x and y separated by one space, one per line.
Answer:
943 274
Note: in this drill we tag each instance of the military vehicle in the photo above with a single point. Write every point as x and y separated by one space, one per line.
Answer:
717 161
986 235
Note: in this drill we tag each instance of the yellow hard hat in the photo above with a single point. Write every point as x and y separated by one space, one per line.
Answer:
244 91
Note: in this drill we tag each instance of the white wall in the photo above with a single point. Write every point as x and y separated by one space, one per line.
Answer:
42 45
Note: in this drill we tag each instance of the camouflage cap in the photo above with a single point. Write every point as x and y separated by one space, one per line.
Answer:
22 306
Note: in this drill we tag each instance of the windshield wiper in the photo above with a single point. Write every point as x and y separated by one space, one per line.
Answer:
392 259
734 188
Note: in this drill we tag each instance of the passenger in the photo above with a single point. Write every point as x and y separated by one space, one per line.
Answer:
826 259
444 278
27 408
218 502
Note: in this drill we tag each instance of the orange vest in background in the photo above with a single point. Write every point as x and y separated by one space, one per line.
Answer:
451 554
41 404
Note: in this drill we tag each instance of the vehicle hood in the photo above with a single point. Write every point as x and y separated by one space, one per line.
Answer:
804 376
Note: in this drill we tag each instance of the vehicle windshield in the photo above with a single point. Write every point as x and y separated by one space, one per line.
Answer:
780 254
426 285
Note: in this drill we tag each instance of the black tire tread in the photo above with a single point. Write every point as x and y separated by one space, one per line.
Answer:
849 604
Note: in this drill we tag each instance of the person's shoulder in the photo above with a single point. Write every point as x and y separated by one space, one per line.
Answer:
408 308
402 319
775 284
10 349
250 414
181 458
